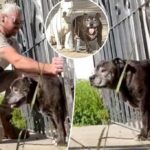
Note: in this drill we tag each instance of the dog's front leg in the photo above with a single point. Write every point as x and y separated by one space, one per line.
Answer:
58 119
58 39
99 36
68 41
145 129
87 46
59 45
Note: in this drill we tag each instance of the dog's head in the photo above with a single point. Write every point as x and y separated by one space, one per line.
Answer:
107 73
20 90
66 7
91 22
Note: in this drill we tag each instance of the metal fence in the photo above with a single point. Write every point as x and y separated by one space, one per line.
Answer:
34 44
129 22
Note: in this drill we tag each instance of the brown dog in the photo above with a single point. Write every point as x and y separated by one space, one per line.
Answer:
135 86
88 28
50 99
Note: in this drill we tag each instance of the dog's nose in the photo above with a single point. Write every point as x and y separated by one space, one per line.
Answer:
91 24
91 78
64 14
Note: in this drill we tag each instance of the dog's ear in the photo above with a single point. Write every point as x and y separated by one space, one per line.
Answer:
131 68
1 69
27 80
118 61
14 81
98 15
85 15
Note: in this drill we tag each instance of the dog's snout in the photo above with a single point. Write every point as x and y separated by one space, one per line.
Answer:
91 78
91 24
64 13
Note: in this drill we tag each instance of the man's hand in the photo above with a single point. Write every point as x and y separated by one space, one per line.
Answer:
57 65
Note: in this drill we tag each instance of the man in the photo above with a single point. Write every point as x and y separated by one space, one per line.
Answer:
10 23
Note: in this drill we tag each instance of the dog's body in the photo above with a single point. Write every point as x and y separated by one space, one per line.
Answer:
88 28
50 99
135 87
59 29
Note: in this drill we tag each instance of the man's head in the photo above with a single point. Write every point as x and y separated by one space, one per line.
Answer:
10 19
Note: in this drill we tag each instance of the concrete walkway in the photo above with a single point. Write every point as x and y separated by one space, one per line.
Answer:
35 142
88 137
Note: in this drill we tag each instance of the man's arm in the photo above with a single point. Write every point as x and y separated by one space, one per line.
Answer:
29 65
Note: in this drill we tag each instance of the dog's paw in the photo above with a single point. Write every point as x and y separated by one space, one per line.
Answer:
68 47
89 51
59 47
61 141
140 137
58 142
54 142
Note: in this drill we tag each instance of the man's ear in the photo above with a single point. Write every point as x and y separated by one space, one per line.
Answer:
2 18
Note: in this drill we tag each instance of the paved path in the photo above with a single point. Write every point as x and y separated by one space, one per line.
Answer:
89 137
35 142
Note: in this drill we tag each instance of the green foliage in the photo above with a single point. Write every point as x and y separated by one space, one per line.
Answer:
1 98
17 119
89 109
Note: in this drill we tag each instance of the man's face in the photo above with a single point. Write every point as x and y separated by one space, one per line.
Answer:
12 23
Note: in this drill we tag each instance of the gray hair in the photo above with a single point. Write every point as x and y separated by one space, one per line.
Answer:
7 8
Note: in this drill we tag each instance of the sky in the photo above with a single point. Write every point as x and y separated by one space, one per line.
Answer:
83 67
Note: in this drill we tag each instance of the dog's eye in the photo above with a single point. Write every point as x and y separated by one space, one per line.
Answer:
87 19
15 89
25 90
103 70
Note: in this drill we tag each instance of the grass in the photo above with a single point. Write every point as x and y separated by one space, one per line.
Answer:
89 108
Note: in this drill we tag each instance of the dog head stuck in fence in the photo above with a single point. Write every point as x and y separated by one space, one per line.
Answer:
22 90
49 99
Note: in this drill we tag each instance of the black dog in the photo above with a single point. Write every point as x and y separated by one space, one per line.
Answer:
88 28
50 99
135 86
